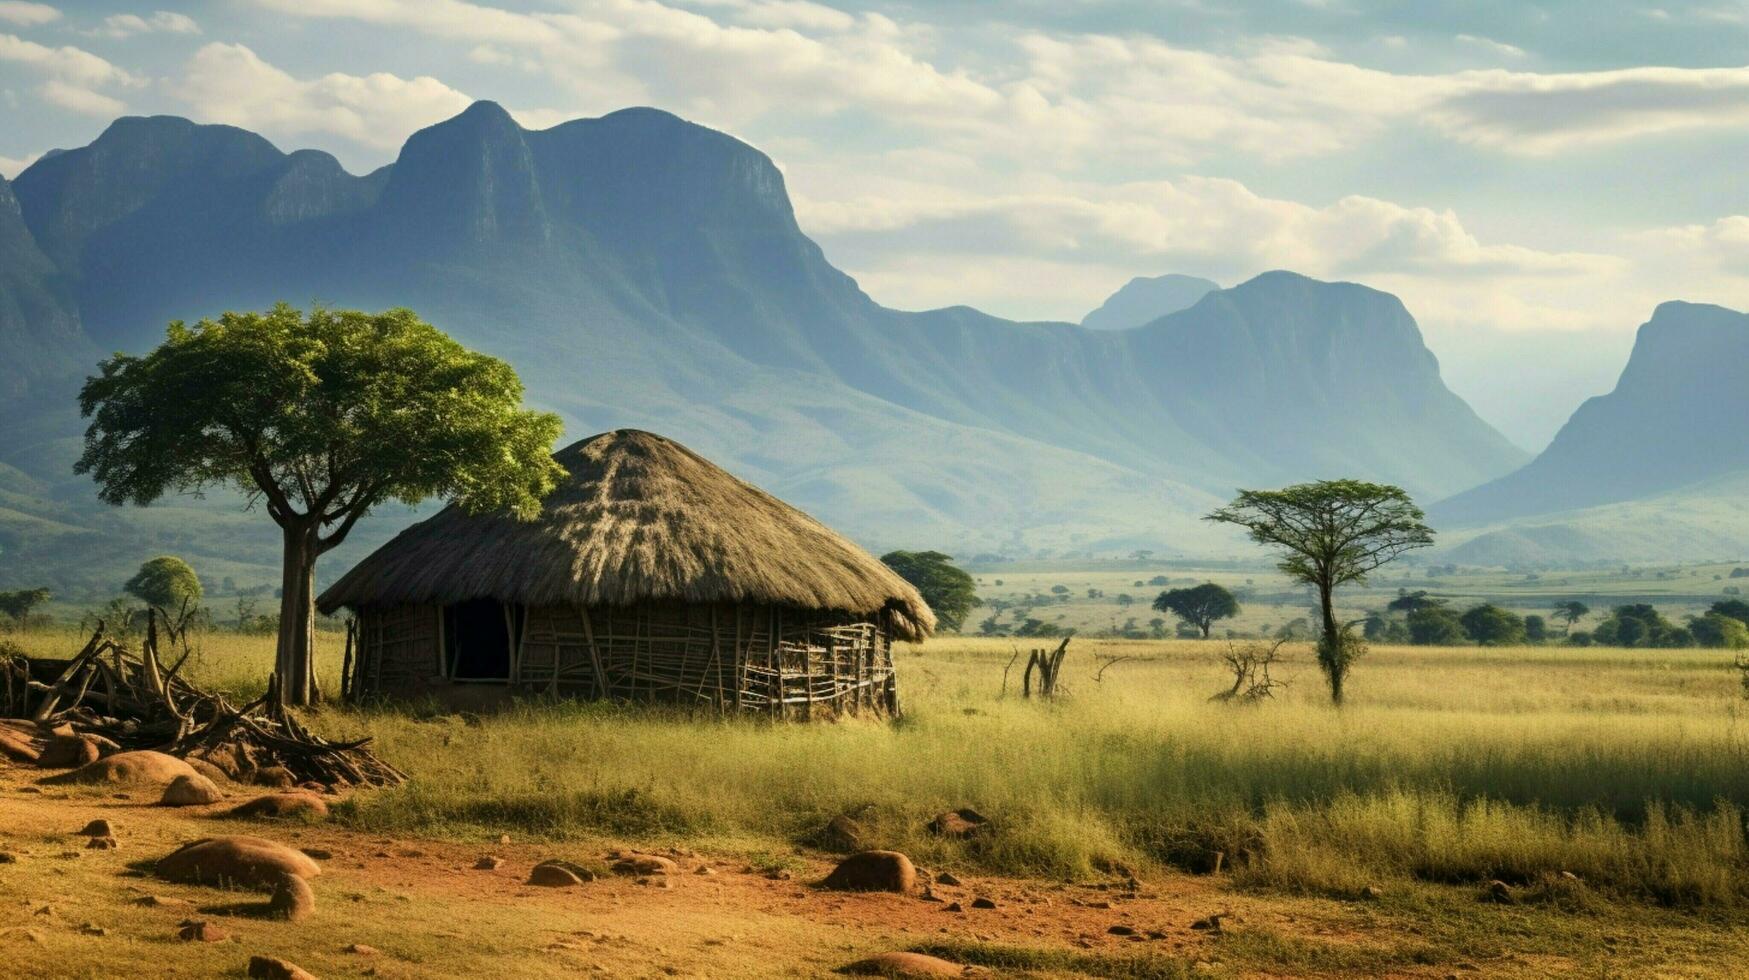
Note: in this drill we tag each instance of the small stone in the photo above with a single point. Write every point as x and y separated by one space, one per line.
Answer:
162 902
7 857
645 864
98 828
904 965
1569 876
101 844
1372 893
947 878
360 949
273 968
93 929
1122 930
959 824
555 874
503 840
705 869
488 863
293 899
1500 891
1211 923
276 776
201 931
983 903
319 853
953 907
195 790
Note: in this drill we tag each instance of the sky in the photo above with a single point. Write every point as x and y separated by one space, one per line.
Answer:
1531 178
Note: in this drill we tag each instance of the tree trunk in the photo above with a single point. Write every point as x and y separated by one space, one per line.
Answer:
294 659
1207 625
1331 655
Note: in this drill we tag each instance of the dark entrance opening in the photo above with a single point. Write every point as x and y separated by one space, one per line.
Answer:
477 635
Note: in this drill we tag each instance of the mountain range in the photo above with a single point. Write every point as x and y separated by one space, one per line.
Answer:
640 270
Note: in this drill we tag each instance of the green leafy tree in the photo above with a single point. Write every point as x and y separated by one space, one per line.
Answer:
167 582
1571 612
20 604
1536 629
1737 609
1408 602
1330 534
948 590
1492 626
1434 626
1199 606
1640 625
318 417
1718 630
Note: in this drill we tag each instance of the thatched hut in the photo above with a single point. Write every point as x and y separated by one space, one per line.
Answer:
650 575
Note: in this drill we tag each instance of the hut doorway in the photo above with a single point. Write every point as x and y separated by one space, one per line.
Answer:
478 636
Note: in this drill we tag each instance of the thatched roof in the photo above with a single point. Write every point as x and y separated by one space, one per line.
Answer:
639 518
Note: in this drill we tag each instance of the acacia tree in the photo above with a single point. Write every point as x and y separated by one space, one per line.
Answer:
950 593
1199 606
1572 611
1329 534
166 582
319 417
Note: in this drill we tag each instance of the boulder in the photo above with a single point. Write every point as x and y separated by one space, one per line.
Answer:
70 752
280 805
98 828
18 746
959 824
207 769
873 871
904 965
488 862
201 931
273 968
293 899
192 790
250 862
558 874
645 864
841 834
128 767
278 777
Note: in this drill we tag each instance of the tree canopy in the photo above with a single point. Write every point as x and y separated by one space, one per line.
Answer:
1492 626
1329 534
18 604
1571 611
948 590
166 582
1199 605
319 418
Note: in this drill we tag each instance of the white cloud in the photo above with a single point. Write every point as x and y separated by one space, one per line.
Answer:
1539 113
74 77
161 22
229 83
1491 45
27 14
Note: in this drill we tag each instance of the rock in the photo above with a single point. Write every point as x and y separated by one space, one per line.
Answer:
1569 877
7 857
953 907
983 903
246 861
293 899
101 844
705 869
278 777
1211 923
904 965
1122 930
873 871
18 747
128 767
840 834
162 902
959 824
273 968
504 840
72 751
207 769
1372 893
201 931
191 790
645 864
93 929
947 878
98 828
360 949
488 863
319 853
1499 891
554 874
280 805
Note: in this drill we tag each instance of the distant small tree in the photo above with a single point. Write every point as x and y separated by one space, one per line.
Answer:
1737 609
1125 600
20 604
1434 626
1719 631
1492 626
1330 534
166 582
950 591
1571 612
1199 606
1408 602
1159 580
1536 629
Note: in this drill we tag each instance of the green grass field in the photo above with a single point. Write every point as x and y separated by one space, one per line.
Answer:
1626 768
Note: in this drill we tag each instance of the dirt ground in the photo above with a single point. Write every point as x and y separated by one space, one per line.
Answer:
424 911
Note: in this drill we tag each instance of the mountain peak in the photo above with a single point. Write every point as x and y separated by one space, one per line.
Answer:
1145 299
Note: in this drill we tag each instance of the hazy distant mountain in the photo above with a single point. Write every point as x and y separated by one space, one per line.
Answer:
1145 299
40 340
641 270
1671 423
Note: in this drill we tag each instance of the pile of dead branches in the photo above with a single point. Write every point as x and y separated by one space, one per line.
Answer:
133 699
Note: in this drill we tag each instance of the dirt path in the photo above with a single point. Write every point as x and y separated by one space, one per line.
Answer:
427 912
